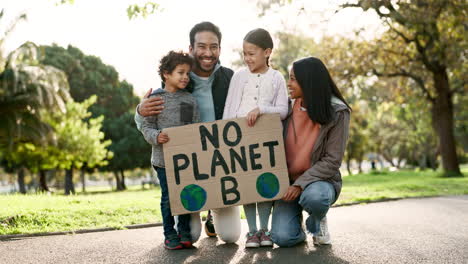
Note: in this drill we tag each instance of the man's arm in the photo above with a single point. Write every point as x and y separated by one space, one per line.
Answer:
148 107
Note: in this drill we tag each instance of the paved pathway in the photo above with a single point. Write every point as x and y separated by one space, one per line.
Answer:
431 230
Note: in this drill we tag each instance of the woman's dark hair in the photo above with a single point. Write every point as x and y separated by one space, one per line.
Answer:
169 62
204 26
317 89
260 37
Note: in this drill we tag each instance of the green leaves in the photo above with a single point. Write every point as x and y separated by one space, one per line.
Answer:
135 11
115 101
78 137
26 88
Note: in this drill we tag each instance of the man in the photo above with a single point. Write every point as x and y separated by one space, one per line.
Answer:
209 84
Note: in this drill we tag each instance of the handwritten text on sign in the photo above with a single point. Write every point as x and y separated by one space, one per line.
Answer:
225 163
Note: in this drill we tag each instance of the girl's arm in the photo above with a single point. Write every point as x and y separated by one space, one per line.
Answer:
280 104
329 164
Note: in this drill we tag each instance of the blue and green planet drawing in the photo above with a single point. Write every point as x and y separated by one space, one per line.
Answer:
193 197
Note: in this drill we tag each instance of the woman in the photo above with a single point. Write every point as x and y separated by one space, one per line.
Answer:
316 131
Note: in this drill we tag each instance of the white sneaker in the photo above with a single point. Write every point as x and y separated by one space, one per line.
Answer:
323 236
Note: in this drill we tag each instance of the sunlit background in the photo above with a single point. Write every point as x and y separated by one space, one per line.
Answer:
134 47
73 71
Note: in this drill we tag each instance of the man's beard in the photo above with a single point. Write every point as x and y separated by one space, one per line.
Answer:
198 64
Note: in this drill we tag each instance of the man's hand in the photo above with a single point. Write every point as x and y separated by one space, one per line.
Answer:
292 193
150 106
162 138
252 117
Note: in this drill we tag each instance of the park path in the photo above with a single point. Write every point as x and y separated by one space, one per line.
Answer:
430 230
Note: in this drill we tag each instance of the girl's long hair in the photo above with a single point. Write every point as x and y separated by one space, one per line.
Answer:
317 89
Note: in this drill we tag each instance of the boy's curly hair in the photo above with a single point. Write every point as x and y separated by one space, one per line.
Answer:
169 62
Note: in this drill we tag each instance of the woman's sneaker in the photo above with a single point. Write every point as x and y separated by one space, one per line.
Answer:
252 240
322 237
265 238
186 240
172 242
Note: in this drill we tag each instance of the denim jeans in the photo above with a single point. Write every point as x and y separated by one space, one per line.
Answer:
183 225
316 199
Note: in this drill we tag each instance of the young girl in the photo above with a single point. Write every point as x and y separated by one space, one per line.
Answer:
254 91
180 109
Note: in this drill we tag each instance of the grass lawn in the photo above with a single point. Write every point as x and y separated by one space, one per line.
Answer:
401 184
21 214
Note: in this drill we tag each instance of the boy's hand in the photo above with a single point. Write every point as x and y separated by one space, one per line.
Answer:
162 138
150 106
252 117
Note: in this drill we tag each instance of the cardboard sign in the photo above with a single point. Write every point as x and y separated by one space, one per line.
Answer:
225 163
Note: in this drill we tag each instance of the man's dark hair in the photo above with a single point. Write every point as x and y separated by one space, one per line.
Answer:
204 26
169 62
317 89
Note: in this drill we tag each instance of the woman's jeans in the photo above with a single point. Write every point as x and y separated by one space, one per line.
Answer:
316 199
183 225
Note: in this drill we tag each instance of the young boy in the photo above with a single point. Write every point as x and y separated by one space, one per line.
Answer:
179 109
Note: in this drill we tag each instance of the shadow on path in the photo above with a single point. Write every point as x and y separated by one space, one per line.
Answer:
211 250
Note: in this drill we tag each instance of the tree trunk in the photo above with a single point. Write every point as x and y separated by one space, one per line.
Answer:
422 162
83 180
22 187
399 163
69 185
43 181
442 121
118 182
123 180
360 166
387 158
348 166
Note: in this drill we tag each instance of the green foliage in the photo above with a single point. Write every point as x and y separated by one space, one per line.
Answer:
425 42
290 48
423 48
79 139
132 151
27 87
88 76
149 8
74 140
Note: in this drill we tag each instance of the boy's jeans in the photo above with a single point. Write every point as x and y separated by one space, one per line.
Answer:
183 224
286 224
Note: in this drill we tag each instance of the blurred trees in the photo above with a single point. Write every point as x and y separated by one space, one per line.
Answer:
411 77
87 76
79 140
27 87
60 109
426 43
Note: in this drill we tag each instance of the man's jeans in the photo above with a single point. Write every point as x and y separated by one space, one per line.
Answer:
183 224
316 199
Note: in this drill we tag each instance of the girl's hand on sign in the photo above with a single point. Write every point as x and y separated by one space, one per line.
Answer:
162 138
292 193
252 117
